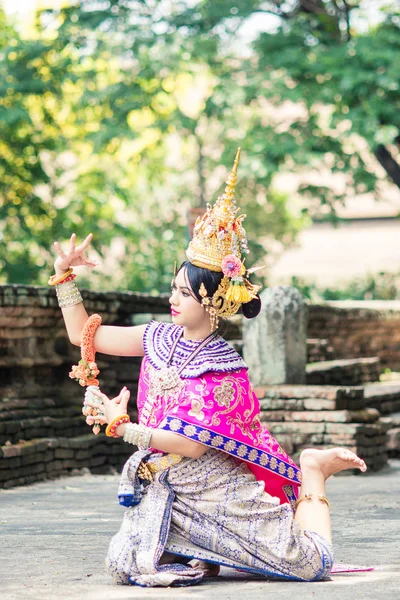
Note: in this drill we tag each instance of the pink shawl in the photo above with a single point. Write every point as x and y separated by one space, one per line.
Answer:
217 408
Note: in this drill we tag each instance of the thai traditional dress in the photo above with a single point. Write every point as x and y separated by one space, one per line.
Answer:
234 505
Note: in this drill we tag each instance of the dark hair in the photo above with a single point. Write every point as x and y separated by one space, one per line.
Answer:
211 279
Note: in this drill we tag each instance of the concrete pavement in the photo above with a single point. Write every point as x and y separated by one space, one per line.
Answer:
54 536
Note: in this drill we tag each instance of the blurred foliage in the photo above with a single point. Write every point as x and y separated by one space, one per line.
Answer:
379 286
117 116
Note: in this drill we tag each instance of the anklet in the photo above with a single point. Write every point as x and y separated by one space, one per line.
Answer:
309 496
301 498
323 498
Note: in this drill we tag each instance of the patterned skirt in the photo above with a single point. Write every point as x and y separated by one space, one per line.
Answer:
212 509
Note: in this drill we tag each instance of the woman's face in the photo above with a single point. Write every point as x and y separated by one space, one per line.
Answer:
186 310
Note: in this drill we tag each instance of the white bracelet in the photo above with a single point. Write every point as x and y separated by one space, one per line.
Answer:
68 294
138 435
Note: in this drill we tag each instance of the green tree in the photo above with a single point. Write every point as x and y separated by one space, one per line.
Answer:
343 80
131 111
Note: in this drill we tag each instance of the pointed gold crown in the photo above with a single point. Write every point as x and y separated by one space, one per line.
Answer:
219 232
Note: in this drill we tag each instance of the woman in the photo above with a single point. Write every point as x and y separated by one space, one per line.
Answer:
208 481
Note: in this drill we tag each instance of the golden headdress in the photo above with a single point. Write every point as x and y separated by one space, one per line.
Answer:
219 240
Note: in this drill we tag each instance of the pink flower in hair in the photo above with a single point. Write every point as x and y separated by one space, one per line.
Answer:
231 266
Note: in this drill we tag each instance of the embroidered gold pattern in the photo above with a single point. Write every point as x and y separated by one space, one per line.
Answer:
204 436
273 463
230 446
290 495
196 409
217 440
189 430
255 424
242 450
163 462
239 395
224 393
253 454
175 424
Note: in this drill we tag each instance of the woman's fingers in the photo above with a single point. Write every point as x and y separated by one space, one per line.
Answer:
72 243
87 262
96 405
100 395
59 250
117 399
80 250
85 243
76 254
125 400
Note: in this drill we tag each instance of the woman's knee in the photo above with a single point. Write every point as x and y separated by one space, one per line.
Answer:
321 560
120 560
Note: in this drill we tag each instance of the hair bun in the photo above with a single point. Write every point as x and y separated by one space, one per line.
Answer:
251 309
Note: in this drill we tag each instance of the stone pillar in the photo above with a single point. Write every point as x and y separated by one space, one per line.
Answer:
275 342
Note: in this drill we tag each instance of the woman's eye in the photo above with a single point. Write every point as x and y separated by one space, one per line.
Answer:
186 294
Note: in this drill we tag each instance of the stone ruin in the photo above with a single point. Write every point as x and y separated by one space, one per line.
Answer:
309 394
313 393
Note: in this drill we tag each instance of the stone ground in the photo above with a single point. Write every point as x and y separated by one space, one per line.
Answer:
54 537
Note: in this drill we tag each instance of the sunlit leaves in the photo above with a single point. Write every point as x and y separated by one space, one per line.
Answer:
117 116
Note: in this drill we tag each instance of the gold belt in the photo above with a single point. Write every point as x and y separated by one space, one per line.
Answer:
146 470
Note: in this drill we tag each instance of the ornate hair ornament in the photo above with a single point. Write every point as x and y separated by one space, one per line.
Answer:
219 240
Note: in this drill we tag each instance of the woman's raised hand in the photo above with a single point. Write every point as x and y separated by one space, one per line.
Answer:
74 256
110 407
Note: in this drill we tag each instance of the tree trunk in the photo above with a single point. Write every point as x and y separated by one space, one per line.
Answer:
387 161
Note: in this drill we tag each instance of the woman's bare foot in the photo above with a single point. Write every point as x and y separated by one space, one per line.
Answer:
209 569
332 461
167 558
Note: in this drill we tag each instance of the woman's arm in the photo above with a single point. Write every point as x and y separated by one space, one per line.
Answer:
116 341
165 441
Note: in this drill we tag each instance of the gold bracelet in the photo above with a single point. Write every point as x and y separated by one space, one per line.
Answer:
54 280
324 499
305 497
309 496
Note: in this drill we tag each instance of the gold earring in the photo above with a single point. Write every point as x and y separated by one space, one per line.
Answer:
206 301
214 320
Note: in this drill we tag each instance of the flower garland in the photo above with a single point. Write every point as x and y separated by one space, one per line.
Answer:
86 371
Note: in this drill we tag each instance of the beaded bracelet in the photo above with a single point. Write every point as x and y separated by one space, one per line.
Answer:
67 279
139 435
114 424
54 280
68 294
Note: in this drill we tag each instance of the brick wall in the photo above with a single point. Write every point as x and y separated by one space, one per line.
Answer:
359 329
42 431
